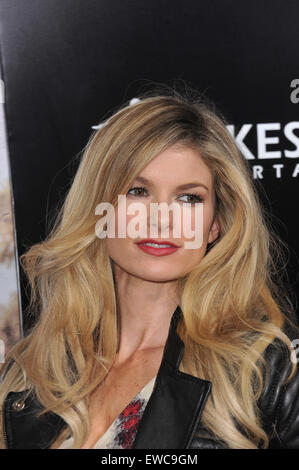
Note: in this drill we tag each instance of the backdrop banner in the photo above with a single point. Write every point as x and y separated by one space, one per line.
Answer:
10 313
67 65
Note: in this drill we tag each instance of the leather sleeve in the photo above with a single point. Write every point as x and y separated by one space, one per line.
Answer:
279 403
287 417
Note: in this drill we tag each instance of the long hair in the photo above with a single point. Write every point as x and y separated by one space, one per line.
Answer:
230 305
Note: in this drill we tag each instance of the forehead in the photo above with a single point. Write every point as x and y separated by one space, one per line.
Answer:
178 164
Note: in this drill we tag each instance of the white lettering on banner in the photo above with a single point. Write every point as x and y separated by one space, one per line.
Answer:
261 132
239 139
257 171
263 140
278 168
296 171
288 132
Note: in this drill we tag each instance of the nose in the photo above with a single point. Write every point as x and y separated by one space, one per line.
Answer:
160 219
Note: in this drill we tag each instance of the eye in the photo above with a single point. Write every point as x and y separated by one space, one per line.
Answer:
196 198
138 191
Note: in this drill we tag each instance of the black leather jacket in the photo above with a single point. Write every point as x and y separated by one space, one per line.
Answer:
172 415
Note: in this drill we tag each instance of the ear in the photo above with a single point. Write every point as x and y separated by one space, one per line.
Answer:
214 231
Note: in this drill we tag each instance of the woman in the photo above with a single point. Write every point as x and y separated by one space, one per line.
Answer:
140 348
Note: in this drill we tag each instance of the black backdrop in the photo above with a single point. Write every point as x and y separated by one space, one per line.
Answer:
67 64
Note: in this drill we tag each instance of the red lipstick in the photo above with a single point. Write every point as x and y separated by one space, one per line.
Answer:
148 246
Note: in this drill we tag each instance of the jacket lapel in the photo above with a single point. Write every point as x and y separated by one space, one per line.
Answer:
175 406
169 421
24 429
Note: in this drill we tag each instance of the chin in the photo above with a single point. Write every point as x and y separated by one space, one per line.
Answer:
156 276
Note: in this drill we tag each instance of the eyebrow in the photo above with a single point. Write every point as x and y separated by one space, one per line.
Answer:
194 184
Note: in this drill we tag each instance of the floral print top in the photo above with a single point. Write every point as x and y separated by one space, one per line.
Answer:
122 432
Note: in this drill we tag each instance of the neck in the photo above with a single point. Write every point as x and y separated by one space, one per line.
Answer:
145 310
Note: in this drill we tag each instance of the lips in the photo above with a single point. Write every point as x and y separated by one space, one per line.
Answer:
157 247
157 242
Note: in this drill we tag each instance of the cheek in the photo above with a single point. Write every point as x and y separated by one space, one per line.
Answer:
122 220
114 247
200 223
118 247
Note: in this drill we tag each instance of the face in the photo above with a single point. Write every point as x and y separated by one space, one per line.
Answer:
179 175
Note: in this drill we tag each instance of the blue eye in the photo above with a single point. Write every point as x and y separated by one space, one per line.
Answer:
196 198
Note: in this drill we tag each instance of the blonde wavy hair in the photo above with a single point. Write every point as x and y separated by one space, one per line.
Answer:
230 306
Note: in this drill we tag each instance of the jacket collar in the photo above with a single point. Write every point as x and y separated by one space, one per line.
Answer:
169 421
175 406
